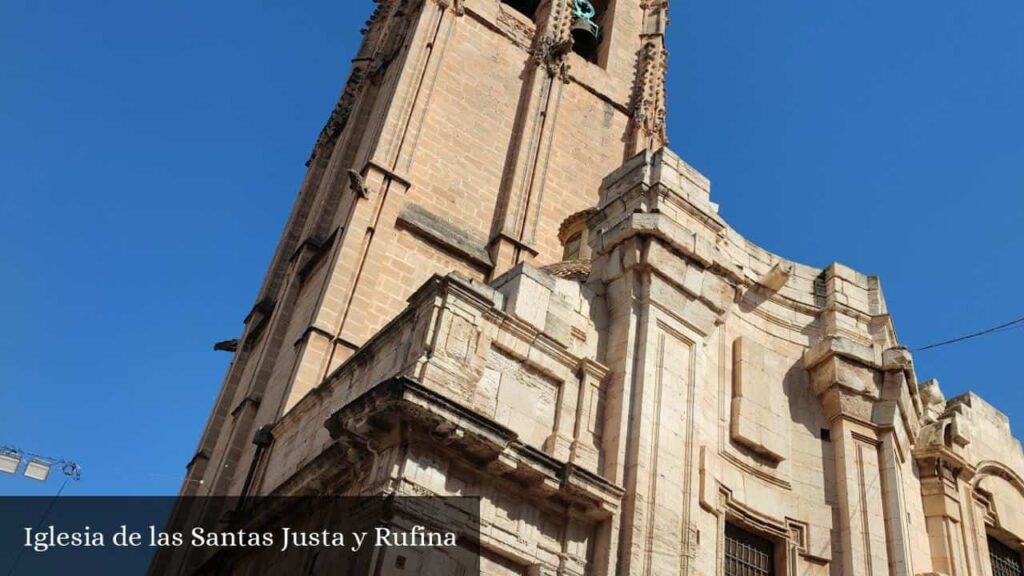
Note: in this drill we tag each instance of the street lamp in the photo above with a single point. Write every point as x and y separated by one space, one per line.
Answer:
38 470
9 462
37 467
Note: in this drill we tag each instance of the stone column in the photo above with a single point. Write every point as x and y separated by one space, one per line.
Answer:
897 417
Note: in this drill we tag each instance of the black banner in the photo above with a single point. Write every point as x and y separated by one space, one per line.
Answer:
277 535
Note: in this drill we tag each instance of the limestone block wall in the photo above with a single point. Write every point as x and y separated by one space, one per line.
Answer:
464 135
616 424
813 431
501 362
405 339
715 412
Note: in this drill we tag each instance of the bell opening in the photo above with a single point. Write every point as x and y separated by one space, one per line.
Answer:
585 39
527 8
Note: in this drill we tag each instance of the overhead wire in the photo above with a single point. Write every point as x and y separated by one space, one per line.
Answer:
46 514
1011 325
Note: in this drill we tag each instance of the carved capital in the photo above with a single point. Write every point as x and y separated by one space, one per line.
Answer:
457 6
840 402
552 53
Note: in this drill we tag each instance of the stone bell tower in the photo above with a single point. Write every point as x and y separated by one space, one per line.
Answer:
466 132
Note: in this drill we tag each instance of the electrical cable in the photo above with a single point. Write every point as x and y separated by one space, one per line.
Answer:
49 508
1013 324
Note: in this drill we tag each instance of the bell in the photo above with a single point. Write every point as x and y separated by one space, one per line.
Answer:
585 37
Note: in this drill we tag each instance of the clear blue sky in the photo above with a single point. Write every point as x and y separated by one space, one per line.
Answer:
150 152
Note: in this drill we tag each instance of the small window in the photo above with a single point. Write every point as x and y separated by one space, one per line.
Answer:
572 247
527 8
1005 560
747 554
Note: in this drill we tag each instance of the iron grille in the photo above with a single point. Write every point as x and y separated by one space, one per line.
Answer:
1005 560
749 555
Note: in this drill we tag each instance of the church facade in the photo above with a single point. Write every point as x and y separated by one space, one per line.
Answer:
497 281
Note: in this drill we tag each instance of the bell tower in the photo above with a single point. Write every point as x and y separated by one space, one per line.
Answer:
467 131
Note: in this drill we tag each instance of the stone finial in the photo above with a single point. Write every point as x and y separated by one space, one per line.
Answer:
551 49
647 124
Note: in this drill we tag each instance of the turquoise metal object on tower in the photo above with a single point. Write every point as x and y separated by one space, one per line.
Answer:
584 10
586 34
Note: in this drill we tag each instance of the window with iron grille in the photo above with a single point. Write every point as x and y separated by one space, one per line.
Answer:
747 554
1005 560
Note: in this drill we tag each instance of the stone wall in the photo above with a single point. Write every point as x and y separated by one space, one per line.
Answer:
416 334
464 135
689 381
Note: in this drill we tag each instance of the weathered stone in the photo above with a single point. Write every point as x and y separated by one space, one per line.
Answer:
777 277
445 234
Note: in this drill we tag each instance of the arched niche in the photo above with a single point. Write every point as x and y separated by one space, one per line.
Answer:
1005 490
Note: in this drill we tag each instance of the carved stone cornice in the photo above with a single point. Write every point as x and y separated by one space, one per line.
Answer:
338 119
847 377
938 461
432 417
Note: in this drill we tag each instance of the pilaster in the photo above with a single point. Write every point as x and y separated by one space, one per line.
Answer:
546 73
941 491
657 330
845 376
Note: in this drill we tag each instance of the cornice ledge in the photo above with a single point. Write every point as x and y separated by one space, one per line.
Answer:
942 454
465 430
833 346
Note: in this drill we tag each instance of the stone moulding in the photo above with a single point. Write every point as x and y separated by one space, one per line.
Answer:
809 537
403 400
444 234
